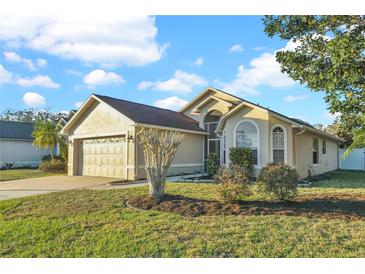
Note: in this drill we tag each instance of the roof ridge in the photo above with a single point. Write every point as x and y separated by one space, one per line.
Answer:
98 95
141 104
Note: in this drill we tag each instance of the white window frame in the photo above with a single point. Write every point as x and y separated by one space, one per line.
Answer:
258 165
285 143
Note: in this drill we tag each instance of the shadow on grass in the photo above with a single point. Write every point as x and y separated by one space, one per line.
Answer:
323 205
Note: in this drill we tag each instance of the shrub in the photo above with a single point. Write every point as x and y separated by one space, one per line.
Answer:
53 165
64 151
279 180
212 164
7 165
242 156
48 157
234 183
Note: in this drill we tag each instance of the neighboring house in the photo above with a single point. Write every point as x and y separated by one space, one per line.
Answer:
103 142
16 145
63 120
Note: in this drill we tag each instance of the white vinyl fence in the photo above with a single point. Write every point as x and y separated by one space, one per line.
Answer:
355 160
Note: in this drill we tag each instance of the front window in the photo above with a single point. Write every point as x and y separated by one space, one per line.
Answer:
315 151
247 136
324 147
278 145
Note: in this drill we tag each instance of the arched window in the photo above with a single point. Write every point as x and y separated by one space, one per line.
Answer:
278 144
247 136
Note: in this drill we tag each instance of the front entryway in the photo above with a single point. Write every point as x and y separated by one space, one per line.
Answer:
212 142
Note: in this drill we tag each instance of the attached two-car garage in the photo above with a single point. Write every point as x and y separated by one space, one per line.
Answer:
102 139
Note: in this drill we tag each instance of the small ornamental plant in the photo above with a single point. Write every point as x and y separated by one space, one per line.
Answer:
234 183
53 165
242 156
212 164
279 180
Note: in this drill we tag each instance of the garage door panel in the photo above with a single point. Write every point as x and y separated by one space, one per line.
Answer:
104 157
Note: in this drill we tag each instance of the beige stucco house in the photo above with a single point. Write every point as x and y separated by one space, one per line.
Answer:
103 142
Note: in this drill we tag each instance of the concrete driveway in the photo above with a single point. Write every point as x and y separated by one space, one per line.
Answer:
34 186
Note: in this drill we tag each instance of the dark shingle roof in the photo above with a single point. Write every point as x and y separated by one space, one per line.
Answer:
300 121
16 130
146 114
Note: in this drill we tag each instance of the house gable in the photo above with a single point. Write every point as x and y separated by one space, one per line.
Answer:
207 101
100 119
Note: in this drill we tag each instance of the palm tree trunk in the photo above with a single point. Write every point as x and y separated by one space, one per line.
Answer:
51 151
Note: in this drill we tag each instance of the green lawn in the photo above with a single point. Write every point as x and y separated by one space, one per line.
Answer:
15 174
342 179
86 223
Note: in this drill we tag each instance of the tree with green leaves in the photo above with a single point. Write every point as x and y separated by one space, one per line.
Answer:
30 115
46 135
329 57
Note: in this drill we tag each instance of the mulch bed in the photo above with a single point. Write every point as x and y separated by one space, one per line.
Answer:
342 206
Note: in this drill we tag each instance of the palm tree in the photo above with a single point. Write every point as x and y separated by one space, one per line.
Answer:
46 135
359 139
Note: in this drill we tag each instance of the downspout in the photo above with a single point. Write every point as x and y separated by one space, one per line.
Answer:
295 143
127 152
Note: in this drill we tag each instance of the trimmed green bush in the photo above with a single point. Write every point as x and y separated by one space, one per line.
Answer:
242 156
212 164
234 183
279 181
53 165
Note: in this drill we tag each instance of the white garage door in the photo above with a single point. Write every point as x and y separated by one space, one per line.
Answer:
104 157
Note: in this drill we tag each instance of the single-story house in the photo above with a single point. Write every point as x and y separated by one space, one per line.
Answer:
16 145
102 136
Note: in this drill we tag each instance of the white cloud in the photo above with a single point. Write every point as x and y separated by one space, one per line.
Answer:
172 103
105 40
78 104
41 62
145 85
263 70
73 72
198 62
5 76
290 46
102 78
291 98
39 80
33 99
181 82
331 116
259 48
236 48
13 57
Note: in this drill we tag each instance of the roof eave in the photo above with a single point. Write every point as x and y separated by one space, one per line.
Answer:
171 128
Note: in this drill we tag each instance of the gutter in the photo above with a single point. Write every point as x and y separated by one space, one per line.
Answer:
171 128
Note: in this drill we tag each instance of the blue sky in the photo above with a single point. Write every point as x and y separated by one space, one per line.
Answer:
164 61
